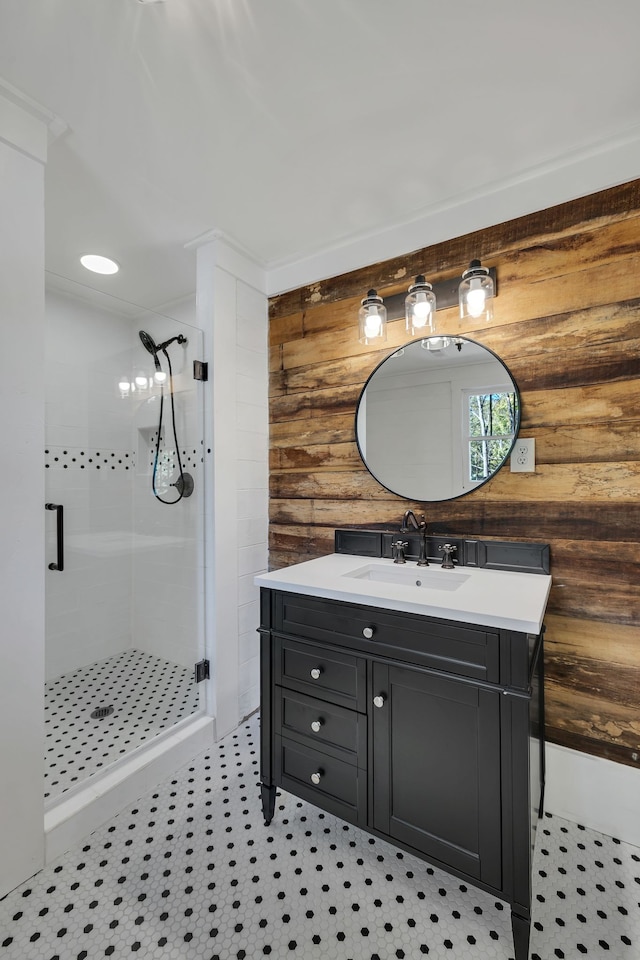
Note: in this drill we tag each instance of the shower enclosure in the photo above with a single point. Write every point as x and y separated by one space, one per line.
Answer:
124 464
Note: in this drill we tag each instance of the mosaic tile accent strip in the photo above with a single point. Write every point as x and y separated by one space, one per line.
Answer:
190 457
94 458
148 695
88 458
190 872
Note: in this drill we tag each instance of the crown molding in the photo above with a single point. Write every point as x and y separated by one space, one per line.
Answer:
230 255
219 235
26 124
598 166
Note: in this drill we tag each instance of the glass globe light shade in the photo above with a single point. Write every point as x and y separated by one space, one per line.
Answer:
372 319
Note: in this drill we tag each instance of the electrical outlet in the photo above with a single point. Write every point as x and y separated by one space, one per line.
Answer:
523 456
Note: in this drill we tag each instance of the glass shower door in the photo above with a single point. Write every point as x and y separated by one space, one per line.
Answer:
124 459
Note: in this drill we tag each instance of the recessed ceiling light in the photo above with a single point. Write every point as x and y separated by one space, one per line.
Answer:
98 264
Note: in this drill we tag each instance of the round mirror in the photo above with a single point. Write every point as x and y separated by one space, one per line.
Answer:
437 418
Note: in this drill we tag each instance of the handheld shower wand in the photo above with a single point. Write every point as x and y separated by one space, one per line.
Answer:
184 483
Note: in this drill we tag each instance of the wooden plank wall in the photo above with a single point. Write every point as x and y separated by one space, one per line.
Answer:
567 324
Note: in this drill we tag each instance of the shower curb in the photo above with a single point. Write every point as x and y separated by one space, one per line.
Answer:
73 818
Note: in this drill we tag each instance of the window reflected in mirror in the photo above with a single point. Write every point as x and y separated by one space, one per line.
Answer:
491 430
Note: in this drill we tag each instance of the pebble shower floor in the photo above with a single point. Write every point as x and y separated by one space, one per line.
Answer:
190 871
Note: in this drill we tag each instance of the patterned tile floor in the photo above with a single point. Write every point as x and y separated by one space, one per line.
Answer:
190 871
148 695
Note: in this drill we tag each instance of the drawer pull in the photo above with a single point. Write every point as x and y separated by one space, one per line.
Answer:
367 633
316 777
316 725
379 701
315 673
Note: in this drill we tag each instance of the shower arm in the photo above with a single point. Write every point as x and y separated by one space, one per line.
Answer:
163 346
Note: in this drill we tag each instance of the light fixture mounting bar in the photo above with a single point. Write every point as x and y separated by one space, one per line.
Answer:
446 292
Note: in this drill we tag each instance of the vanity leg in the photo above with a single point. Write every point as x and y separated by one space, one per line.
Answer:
521 931
268 795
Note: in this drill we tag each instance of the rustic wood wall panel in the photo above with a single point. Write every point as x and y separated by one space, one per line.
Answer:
567 324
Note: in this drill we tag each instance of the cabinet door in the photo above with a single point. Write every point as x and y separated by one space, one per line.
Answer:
435 753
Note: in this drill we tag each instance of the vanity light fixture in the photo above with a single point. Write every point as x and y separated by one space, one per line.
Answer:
474 295
372 319
420 307
98 264
476 292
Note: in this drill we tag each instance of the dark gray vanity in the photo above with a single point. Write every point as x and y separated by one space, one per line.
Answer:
423 729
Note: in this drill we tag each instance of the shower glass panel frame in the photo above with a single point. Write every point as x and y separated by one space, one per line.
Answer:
125 618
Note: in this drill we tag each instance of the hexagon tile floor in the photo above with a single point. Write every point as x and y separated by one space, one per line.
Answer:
190 871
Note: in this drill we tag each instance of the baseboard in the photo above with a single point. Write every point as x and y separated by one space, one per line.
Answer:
597 793
74 818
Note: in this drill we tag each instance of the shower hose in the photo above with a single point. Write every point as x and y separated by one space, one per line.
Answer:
179 484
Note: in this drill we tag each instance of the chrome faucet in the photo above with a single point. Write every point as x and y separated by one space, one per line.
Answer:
421 527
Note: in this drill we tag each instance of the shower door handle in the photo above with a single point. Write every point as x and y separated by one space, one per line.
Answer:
59 564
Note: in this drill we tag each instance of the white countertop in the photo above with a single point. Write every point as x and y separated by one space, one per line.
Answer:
493 598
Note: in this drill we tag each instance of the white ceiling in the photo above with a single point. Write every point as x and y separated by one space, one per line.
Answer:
296 127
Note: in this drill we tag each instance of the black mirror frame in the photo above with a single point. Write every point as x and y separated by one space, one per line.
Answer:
498 468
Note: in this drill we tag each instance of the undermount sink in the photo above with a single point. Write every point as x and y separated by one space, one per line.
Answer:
410 576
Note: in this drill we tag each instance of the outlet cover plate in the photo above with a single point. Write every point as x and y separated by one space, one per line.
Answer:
523 456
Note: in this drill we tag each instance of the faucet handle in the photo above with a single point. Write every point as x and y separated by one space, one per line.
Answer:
397 551
447 550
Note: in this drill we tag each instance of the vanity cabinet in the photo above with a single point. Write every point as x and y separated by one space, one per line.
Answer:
423 731
436 767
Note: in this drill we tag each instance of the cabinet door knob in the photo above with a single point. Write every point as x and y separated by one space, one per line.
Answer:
379 700
316 777
315 725
367 632
315 673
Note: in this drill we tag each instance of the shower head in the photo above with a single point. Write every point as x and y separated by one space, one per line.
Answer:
149 344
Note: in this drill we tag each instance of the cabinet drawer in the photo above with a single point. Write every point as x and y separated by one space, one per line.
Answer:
341 786
453 647
330 675
317 723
